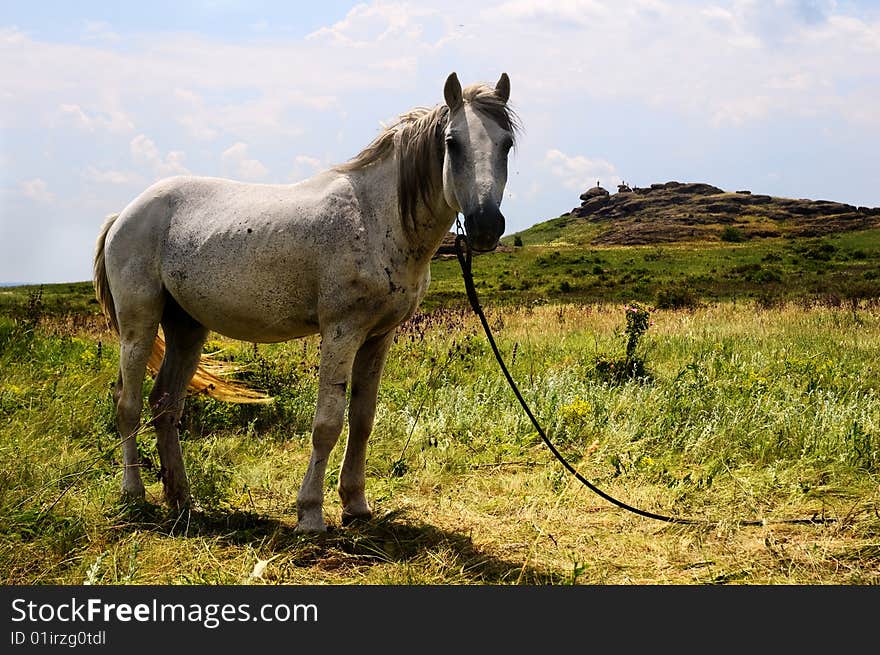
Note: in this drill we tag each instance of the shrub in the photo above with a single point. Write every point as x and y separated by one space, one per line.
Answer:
769 299
766 275
732 235
683 298
27 318
631 366
638 319
819 251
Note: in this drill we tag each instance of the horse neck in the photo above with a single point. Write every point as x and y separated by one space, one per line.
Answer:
419 239
433 219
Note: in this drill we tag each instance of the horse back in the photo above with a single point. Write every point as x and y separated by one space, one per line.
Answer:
256 262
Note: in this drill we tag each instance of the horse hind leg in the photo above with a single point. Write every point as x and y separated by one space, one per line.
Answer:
132 484
184 338
137 328
366 373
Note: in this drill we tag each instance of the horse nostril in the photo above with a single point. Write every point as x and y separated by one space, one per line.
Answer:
484 227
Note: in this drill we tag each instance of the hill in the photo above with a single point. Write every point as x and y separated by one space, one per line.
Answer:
680 244
668 245
676 212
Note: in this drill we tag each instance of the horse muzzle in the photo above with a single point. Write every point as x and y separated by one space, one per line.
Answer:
484 228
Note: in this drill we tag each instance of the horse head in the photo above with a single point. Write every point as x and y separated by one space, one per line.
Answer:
479 134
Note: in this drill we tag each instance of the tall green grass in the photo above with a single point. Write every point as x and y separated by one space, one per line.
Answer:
744 412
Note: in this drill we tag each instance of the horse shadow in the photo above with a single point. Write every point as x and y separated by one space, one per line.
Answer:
393 537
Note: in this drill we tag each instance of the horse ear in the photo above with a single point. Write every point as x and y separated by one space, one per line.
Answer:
452 92
502 89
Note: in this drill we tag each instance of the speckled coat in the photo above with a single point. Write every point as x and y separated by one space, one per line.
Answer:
332 255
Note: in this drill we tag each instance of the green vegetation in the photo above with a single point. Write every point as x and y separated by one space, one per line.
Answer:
743 410
732 235
73 298
839 269
725 380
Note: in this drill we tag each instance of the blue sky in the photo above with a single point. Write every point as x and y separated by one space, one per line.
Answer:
100 99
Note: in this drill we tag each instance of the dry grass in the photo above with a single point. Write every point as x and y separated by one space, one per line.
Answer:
746 416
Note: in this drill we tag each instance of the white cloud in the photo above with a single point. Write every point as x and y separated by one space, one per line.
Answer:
75 116
704 63
36 190
98 30
669 55
196 128
93 174
304 167
378 22
112 121
270 109
671 70
173 164
195 116
396 65
562 13
579 173
145 152
313 162
740 110
237 163
793 81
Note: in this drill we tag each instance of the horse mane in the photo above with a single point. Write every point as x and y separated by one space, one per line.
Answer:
417 138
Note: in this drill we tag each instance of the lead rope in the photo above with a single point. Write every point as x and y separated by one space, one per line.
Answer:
464 254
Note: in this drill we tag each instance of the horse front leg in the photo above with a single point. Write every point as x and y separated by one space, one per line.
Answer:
338 349
366 373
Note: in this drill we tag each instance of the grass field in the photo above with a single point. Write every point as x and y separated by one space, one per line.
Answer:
745 410
845 266
836 269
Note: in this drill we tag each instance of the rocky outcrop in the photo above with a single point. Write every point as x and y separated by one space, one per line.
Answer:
447 247
675 211
596 192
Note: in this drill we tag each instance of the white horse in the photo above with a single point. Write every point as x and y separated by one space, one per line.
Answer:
345 254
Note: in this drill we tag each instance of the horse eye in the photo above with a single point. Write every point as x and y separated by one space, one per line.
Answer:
452 145
506 145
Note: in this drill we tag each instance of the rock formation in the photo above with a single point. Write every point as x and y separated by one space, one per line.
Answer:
675 211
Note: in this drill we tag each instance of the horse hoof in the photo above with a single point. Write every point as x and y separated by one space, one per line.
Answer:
307 525
352 518
178 502
134 496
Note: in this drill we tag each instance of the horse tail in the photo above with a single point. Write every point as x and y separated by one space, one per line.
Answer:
210 376
102 287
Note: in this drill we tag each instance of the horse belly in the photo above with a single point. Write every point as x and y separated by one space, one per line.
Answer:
246 325
235 298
